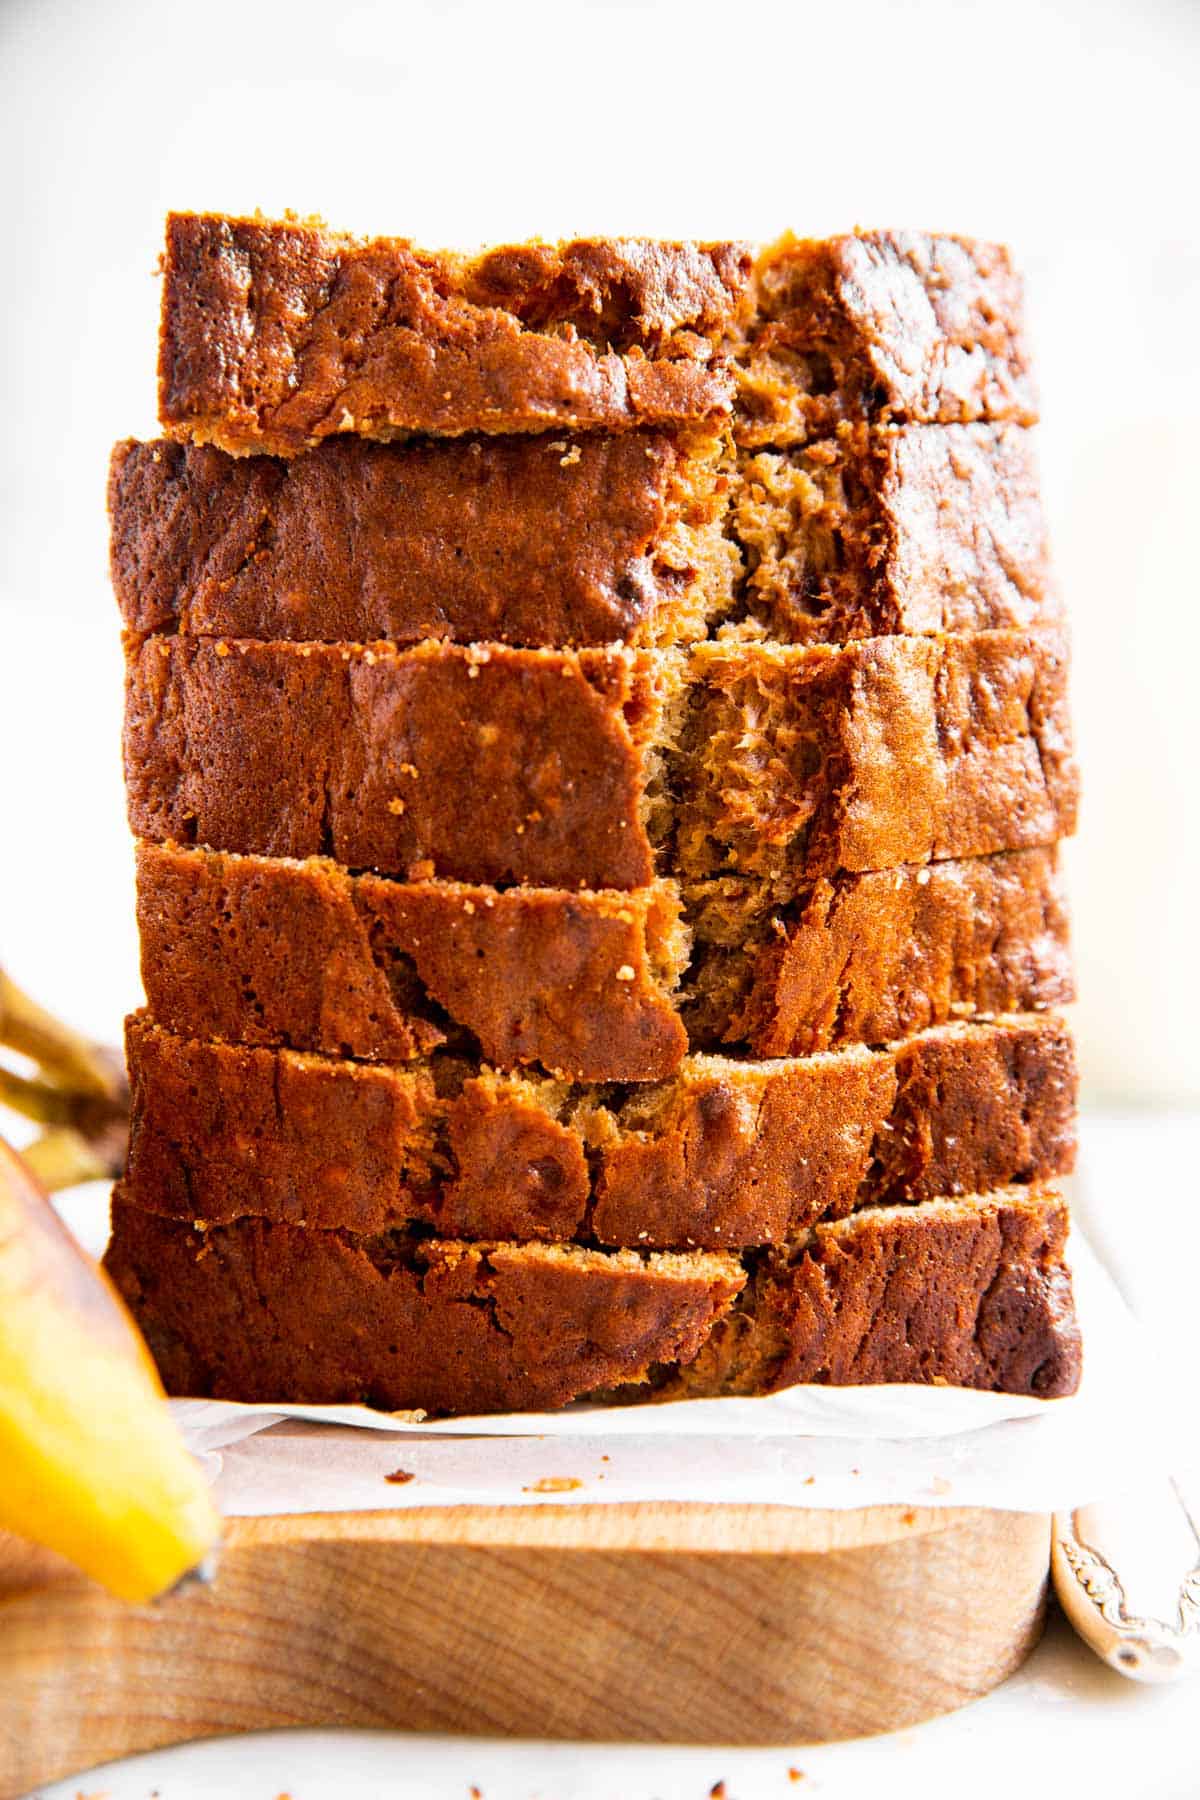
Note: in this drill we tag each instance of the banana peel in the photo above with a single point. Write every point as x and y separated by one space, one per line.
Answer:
92 1463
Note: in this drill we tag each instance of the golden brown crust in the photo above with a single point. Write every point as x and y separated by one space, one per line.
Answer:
278 335
261 951
543 767
260 1311
726 1154
967 1293
881 325
538 540
869 958
913 528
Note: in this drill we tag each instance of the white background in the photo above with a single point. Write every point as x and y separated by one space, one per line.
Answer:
1067 127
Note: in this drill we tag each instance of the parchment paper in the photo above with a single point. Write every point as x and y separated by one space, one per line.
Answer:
808 1446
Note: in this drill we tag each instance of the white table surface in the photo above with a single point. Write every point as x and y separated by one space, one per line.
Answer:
1062 1721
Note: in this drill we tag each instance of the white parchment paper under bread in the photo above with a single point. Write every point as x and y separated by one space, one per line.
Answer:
808 1446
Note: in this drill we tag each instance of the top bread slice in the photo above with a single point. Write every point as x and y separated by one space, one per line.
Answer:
278 335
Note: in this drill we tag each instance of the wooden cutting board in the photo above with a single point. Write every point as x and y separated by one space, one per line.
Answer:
675 1623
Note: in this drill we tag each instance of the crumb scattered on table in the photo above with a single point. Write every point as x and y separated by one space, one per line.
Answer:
398 1477
553 1484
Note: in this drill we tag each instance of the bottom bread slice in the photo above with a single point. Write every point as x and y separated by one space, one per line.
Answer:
971 1292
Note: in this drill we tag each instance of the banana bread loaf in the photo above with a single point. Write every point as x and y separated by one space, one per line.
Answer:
276 335
592 539
724 1155
566 768
969 1292
591 986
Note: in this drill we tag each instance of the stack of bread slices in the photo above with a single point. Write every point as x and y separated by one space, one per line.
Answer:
596 737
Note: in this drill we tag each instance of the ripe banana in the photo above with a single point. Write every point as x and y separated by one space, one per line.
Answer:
91 1463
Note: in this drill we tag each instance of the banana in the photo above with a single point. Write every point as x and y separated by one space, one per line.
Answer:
78 1096
91 1462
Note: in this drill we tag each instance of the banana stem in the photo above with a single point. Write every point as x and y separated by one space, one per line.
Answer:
35 1099
65 1056
79 1094
62 1158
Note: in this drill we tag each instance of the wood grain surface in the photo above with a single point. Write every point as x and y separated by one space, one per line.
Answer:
676 1623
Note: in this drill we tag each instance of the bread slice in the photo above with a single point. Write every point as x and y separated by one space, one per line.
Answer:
278 334
594 538
571 768
880 325
969 1292
724 1155
591 986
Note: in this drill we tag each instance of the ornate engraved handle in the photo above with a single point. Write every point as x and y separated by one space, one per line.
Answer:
1119 1574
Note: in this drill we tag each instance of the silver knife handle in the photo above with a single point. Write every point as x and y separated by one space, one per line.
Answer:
1127 1574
